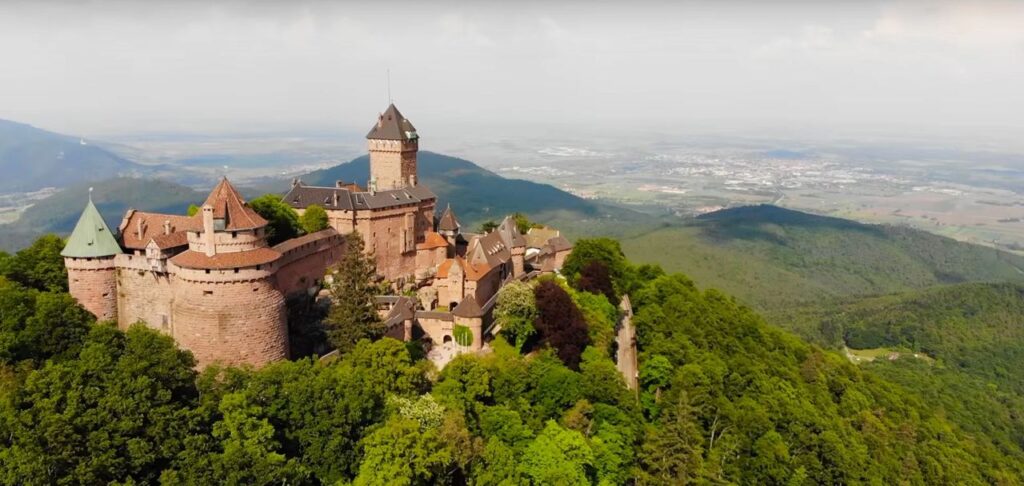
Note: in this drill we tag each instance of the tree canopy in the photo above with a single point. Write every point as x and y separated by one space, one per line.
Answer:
313 219
283 221
724 398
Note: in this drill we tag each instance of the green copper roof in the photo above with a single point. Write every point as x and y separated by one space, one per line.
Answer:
91 237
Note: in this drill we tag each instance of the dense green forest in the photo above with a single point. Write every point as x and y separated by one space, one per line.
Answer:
724 398
972 334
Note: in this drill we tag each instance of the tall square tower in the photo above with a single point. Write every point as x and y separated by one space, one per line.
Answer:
393 144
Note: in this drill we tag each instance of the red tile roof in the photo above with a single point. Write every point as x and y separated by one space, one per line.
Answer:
153 226
433 240
228 205
472 272
195 259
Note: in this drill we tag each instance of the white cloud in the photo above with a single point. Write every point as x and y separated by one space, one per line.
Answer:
93 67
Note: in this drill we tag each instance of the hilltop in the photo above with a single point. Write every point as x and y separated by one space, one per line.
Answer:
32 158
477 194
773 258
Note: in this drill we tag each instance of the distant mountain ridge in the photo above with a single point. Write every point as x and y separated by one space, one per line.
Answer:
59 212
476 194
32 158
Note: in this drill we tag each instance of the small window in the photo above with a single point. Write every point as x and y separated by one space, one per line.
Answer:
236 270
258 267
207 292
234 234
207 270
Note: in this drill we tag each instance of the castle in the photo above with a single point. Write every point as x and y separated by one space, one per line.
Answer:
213 283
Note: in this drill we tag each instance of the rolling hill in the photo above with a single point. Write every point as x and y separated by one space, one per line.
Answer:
32 158
773 258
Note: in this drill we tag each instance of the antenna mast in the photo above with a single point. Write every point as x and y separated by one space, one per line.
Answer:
390 100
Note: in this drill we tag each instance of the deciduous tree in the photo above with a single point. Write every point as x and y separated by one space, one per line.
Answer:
283 221
560 323
314 219
515 311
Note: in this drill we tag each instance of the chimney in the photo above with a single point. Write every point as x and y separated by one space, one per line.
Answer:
208 236
296 181
339 183
167 226
380 120
336 196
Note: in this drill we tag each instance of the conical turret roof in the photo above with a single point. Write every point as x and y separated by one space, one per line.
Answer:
391 125
448 221
91 237
228 205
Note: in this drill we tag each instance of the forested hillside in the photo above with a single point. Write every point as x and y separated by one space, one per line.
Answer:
724 398
59 212
972 336
774 258
31 159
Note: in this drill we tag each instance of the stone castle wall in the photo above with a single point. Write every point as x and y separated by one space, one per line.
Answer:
303 267
235 322
92 282
392 163
143 295
382 231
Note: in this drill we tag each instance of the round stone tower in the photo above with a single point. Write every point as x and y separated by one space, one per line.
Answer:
226 306
89 258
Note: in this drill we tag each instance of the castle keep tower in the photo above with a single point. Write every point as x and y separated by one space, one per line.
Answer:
226 304
89 258
393 144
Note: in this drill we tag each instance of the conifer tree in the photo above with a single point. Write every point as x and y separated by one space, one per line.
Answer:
353 315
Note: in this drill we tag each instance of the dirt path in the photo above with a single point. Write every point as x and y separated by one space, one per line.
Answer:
626 339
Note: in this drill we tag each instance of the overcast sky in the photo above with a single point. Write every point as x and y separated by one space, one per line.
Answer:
110 67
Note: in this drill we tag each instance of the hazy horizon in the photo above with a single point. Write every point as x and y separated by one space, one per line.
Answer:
793 68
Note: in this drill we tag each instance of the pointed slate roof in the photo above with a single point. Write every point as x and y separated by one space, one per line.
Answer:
448 221
391 125
91 237
228 205
509 232
468 308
